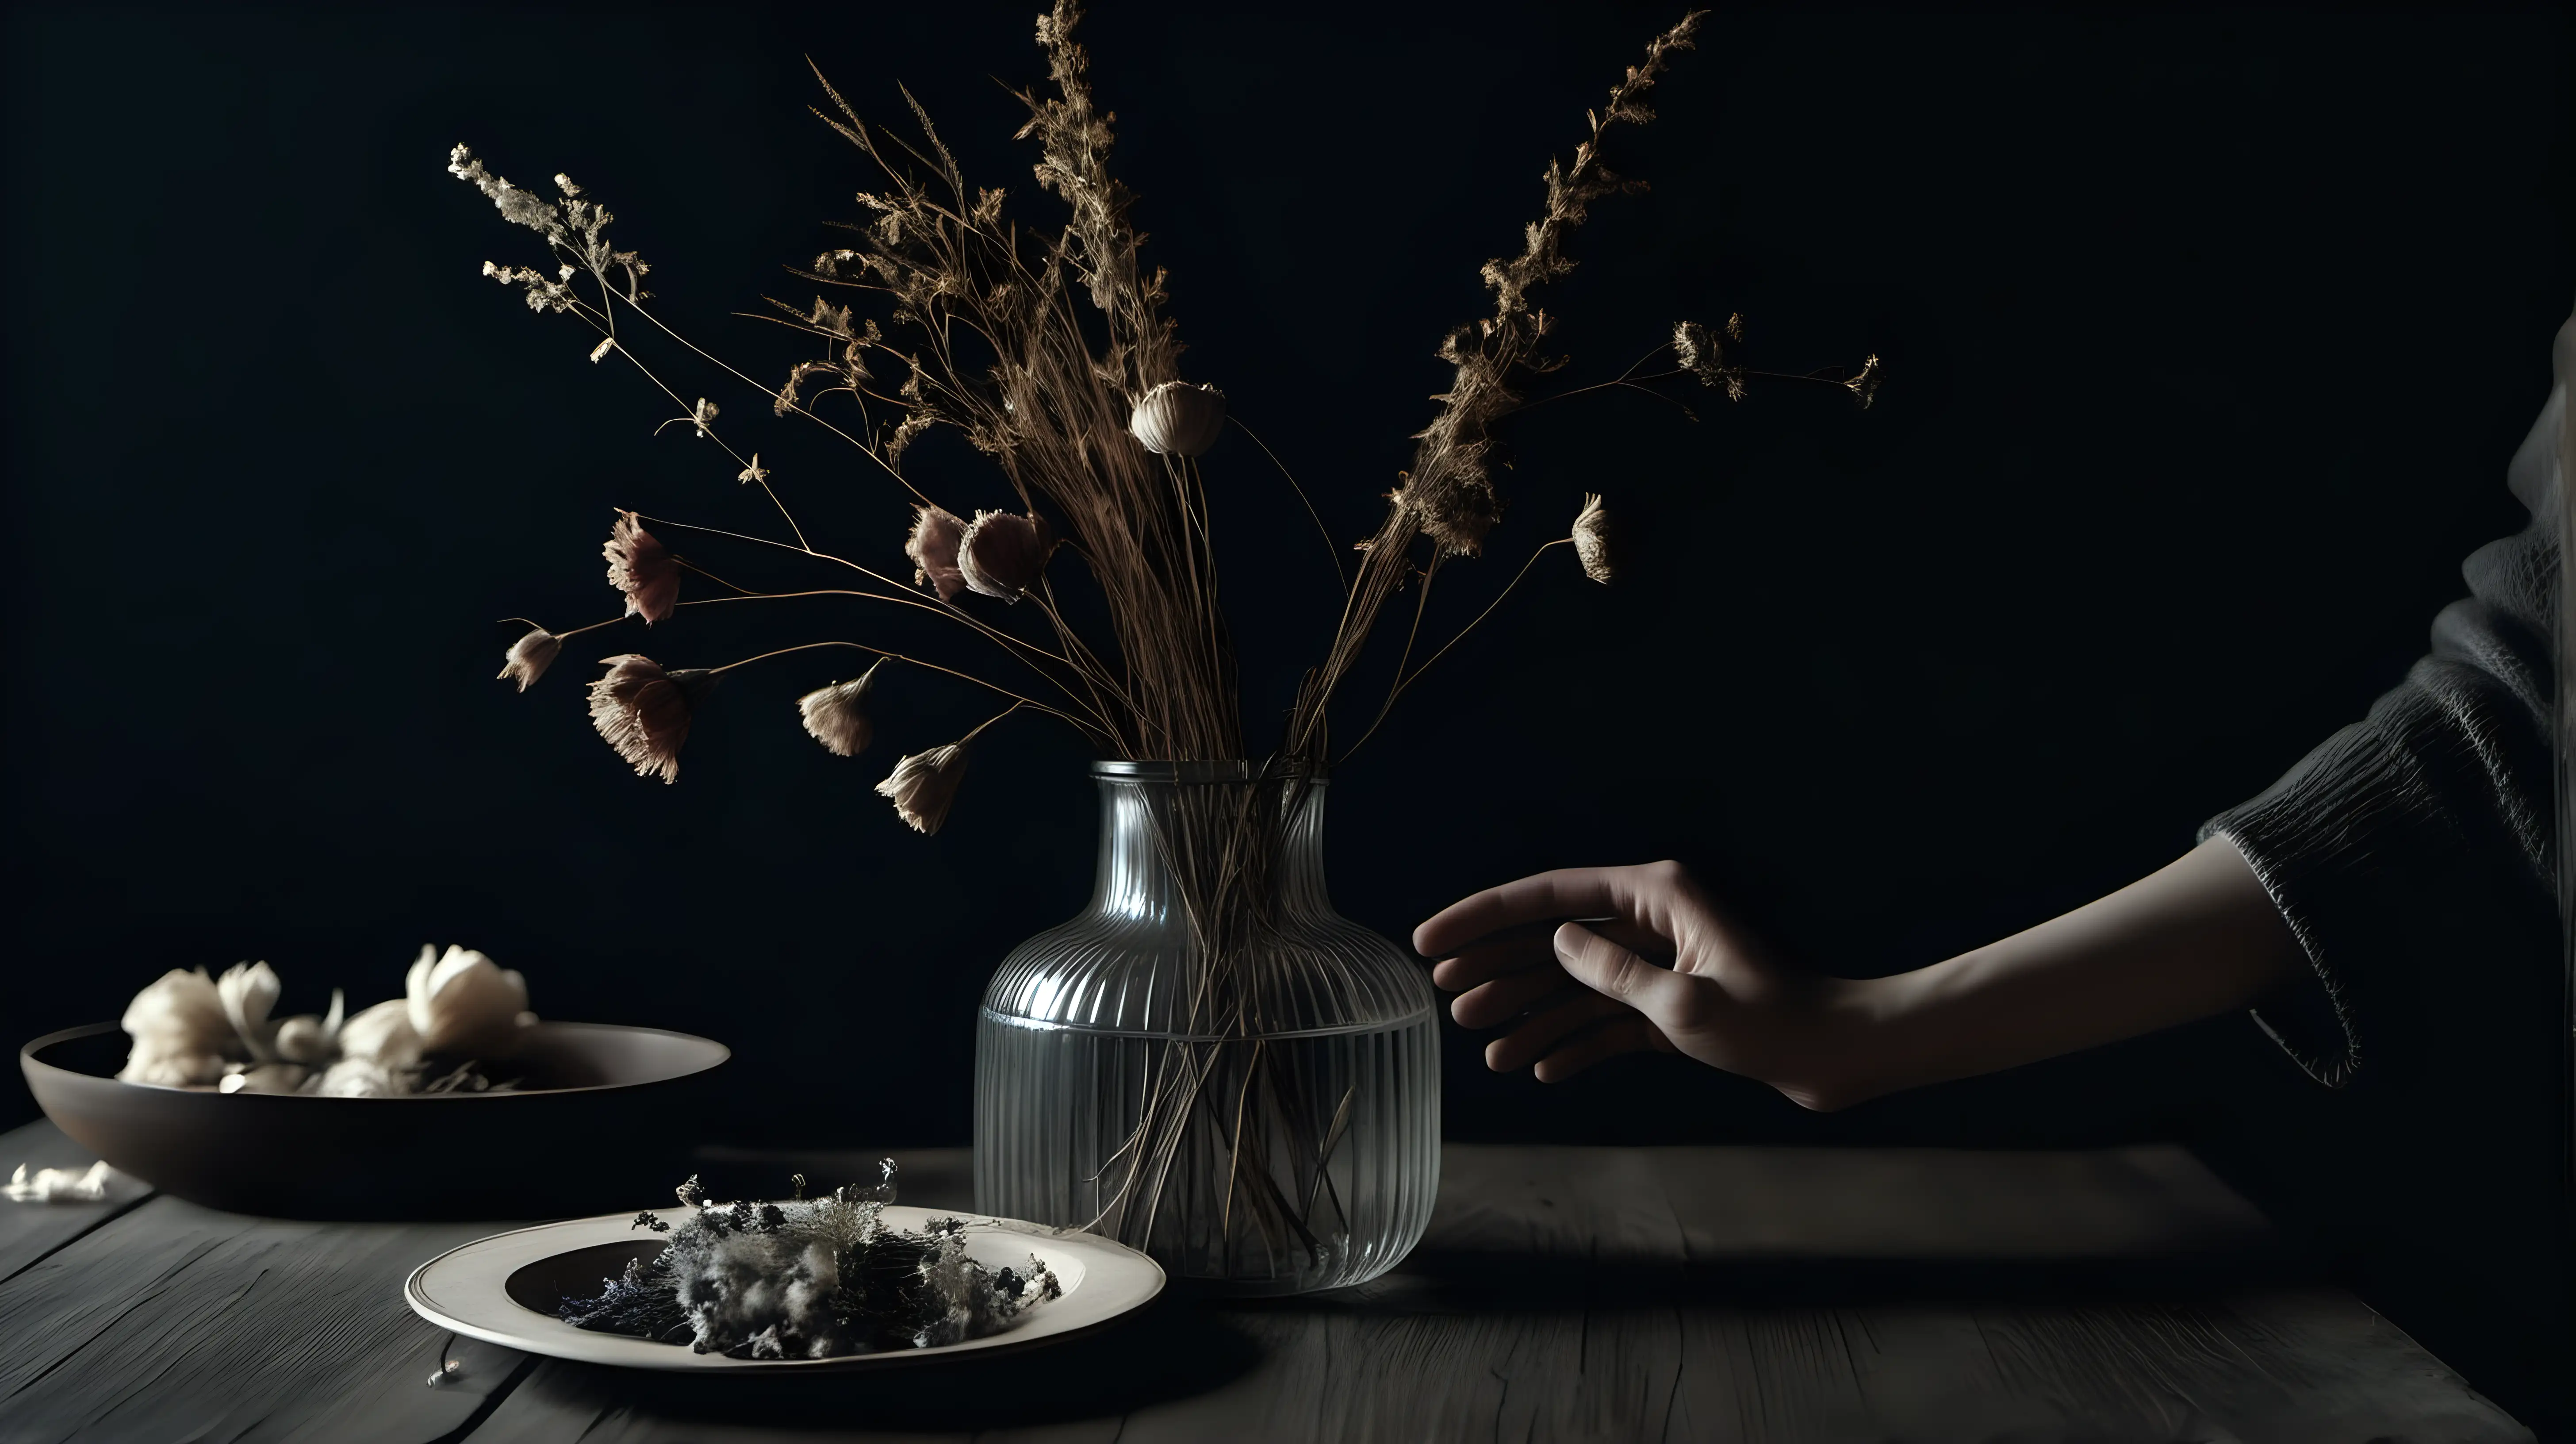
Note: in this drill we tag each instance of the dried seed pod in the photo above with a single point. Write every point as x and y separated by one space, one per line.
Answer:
641 567
644 712
924 784
530 656
1178 419
1003 553
837 716
936 533
1594 540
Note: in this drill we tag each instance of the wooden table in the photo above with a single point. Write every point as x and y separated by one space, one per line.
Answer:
1563 1293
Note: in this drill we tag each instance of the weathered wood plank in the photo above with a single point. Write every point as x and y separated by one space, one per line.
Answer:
29 1231
176 1321
1686 1294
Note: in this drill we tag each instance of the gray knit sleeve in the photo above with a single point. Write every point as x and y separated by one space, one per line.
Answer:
2401 839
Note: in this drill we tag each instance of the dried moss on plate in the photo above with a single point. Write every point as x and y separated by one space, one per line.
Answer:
809 1279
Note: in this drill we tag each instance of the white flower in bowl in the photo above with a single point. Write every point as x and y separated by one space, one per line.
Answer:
461 1004
179 1030
249 992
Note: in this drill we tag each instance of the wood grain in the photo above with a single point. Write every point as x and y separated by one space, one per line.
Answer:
1563 1293
29 1231
179 1322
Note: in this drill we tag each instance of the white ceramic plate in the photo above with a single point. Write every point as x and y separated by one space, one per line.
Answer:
503 1289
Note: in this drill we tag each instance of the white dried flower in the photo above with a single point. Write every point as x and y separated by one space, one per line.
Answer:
1594 540
179 1029
1178 419
249 991
1003 554
753 472
529 657
703 415
924 784
837 716
606 345
460 1003
309 1040
381 1036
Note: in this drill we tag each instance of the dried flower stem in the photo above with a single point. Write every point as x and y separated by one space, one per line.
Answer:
1088 729
1449 494
1404 679
1332 549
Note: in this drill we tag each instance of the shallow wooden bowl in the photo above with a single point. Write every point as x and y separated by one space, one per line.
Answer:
612 1127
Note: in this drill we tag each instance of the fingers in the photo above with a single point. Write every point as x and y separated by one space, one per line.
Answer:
1632 892
1539 1034
1627 1034
1507 998
1668 999
1496 959
1518 949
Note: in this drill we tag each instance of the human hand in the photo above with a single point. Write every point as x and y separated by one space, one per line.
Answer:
1653 965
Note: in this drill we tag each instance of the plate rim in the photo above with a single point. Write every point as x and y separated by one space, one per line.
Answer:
685 1360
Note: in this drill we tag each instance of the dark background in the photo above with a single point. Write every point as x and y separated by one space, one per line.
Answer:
2207 335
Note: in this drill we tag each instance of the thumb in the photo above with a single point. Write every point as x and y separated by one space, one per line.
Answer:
1616 973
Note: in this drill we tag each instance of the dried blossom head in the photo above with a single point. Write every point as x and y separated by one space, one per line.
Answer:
1865 385
530 656
837 716
460 1002
380 1037
1695 348
310 1040
1002 553
180 1031
936 535
249 993
1178 419
1594 540
641 567
644 711
1705 359
924 784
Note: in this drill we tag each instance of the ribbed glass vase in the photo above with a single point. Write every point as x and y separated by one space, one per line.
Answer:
1209 1063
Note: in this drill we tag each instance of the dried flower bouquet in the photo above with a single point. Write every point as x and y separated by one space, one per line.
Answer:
1049 351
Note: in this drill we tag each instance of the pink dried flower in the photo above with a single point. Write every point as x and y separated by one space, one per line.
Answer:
936 535
924 784
1178 419
530 656
837 716
641 567
644 711
1595 540
1003 554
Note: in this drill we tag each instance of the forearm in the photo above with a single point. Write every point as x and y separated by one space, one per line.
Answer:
2196 938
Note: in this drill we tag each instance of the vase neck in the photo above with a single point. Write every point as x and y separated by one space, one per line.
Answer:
1208 836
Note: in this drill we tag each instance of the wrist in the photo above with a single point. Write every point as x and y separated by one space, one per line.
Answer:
1858 1049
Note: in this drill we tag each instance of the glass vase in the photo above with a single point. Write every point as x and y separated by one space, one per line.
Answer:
1209 1063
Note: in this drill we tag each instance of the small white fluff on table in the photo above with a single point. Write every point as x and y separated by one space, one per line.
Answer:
59 1185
